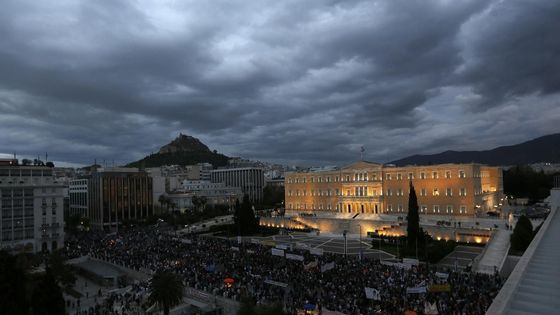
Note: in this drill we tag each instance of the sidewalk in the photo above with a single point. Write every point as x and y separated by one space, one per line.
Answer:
495 253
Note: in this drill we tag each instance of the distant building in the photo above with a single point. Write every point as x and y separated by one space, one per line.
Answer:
275 182
215 194
32 208
249 179
117 194
365 187
78 195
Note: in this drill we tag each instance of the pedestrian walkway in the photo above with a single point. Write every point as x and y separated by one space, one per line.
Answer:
460 257
495 253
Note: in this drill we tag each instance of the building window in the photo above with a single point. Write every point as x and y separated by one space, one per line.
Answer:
388 176
389 208
449 192
347 178
435 192
447 174
400 192
463 209
435 175
399 176
462 174
424 209
336 180
449 209
389 192
410 176
422 175
462 191
436 209
400 208
423 192
337 192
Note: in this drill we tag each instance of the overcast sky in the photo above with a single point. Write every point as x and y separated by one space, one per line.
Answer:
299 82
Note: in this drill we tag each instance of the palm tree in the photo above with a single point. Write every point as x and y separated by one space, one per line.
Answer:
166 289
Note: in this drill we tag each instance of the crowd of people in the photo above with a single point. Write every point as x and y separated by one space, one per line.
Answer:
205 262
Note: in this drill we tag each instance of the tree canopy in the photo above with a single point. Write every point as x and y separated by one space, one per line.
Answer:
522 234
244 217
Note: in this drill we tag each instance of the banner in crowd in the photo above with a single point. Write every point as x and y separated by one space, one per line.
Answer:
430 308
439 288
316 251
186 241
372 294
294 257
235 248
442 275
276 283
410 261
282 246
415 290
268 243
277 252
302 245
327 267
250 251
396 264
210 267
311 265
326 311
255 241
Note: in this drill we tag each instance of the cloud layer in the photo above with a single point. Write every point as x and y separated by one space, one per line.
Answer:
298 82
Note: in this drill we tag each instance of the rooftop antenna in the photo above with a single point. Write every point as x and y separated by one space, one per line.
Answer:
15 157
362 150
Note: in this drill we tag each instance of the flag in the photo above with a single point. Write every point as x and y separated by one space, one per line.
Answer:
327 267
210 267
311 265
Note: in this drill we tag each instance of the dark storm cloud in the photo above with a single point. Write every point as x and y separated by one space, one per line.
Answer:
294 81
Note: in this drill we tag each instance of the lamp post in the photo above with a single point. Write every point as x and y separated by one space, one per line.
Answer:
345 244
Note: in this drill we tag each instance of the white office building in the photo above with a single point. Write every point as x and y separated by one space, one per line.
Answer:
249 179
31 206
78 194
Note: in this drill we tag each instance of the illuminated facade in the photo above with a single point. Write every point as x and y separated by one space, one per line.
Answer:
366 187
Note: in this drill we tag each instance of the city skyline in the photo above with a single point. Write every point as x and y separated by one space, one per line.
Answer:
283 82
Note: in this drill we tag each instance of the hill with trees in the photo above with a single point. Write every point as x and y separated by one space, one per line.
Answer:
183 150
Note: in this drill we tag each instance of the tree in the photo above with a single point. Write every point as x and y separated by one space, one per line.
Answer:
166 289
12 285
522 234
62 273
413 227
162 200
47 296
244 217
49 164
26 162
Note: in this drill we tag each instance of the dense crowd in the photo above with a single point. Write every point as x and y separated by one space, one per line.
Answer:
204 263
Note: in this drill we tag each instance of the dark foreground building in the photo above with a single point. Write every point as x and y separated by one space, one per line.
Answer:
117 195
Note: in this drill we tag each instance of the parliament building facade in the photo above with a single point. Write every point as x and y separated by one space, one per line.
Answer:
373 188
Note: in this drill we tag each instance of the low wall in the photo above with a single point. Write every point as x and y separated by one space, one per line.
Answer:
384 227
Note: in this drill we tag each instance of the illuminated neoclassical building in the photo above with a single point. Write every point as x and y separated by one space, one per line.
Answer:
366 187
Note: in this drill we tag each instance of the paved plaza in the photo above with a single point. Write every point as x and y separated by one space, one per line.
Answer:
328 243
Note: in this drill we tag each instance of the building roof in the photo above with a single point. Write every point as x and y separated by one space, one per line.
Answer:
534 287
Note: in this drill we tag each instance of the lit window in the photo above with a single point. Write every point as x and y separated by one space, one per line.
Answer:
435 175
449 209
400 208
424 209
436 209
449 192
311 179
463 209
447 174
462 174
389 192
435 192
410 176
462 192
422 175
389 208
423 192
388 176
399 176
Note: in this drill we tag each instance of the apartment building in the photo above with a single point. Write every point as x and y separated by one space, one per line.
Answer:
78 197
366 187
31 206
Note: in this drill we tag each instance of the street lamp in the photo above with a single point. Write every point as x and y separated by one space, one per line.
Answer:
345 244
